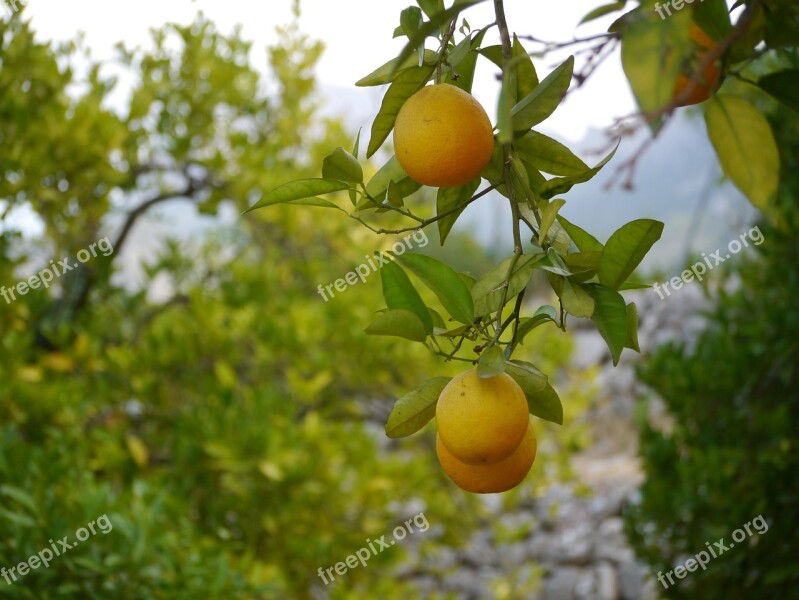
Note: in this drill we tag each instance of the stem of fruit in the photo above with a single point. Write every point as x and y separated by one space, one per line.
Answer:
507 58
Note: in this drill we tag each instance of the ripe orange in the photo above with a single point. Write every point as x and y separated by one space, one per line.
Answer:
481 421
711 76
494 478
442 136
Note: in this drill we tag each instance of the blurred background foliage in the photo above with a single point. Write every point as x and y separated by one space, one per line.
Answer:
726 451
225 418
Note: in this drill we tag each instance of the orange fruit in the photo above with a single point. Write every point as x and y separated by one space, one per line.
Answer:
711 76
442 136
494 478
481 421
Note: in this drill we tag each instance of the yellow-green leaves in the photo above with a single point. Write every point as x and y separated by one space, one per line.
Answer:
652 52
625 249
745 146
415 409
398 323
388 72
343 166
548 155
298 190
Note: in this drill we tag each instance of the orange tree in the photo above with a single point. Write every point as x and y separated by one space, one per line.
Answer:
482 321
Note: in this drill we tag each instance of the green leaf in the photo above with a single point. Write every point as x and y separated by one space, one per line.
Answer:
389 71
576 300
431 7
491 363
548 214
415 409
444 282
610 317
560 185
783 86
529 378
634 285
315 202
581 238
297 190
631 341
552 262
524 70
356 147
411 20
398 323
625 249
465 67
404 86
548 155
546 405
582 265
20 496
448 199
432 26
505 110
745 146
544 99
545 314
400 294
542 400
601 11
343 166
488 291
378 184
652 53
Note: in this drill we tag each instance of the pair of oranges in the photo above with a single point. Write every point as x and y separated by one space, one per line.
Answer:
485 441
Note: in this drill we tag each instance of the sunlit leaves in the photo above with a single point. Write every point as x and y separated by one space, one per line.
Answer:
745 146
415 409
581 238
545 314
625 249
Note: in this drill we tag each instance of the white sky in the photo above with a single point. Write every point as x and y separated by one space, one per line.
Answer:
357 34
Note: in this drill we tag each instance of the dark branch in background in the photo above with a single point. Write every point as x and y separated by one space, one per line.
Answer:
738 31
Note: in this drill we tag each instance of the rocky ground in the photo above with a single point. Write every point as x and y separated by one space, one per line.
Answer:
577 548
